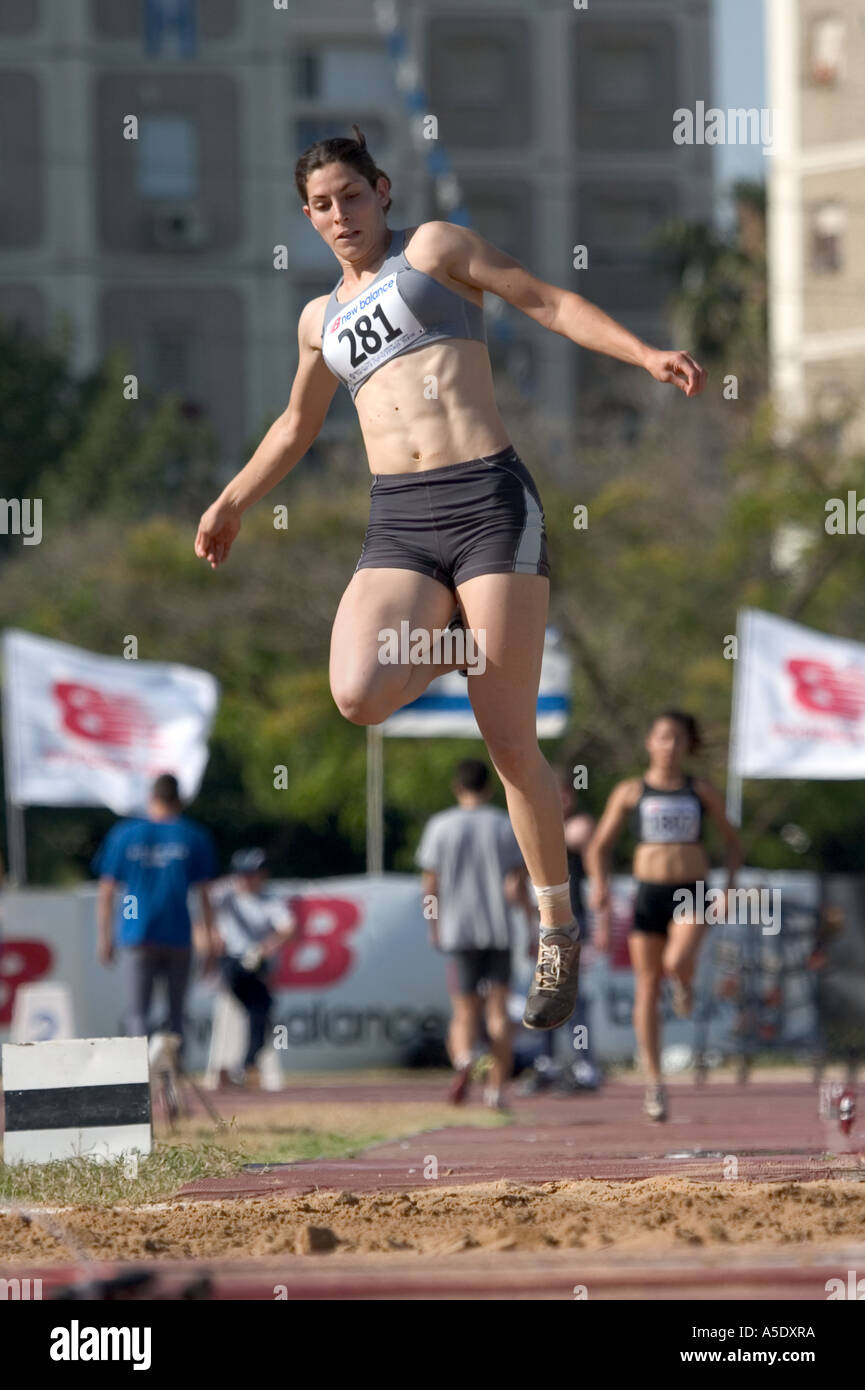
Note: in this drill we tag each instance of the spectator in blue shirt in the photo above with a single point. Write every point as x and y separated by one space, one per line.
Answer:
156 861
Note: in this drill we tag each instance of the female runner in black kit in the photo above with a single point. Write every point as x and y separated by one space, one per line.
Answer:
455 516
667 807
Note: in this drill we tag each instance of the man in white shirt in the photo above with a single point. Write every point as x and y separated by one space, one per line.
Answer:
254 927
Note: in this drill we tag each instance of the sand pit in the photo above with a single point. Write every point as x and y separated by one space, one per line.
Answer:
656 1214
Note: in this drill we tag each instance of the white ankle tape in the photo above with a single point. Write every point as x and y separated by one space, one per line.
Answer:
558 897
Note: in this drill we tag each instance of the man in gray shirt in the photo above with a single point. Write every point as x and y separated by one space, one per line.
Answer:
468 855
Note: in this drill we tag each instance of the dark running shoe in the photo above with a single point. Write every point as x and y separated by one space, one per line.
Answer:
553 995
460 1086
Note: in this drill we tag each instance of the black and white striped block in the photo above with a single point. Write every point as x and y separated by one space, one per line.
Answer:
76 1098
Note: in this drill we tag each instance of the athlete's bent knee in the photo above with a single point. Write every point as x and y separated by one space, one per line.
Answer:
359 705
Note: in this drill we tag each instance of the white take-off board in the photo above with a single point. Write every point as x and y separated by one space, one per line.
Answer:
76 1098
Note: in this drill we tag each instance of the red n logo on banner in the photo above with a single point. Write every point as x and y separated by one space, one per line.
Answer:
826 689
88 713
325 924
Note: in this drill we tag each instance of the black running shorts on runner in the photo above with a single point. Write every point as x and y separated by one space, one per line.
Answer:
453 523
655 904
466 969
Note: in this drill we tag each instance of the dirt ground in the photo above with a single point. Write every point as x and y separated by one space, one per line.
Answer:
657 1214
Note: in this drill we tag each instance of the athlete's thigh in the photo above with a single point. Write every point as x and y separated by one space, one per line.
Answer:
508 615
646 950
683 940
374 600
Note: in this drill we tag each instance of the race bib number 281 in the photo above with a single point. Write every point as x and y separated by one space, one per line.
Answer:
370 330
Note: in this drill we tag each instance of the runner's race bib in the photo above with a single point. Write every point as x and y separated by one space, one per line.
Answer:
370 330
666 821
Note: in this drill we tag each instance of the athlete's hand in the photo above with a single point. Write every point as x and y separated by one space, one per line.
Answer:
680 368
217 531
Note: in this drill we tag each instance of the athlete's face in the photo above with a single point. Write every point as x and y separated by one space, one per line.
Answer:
667 743
346 211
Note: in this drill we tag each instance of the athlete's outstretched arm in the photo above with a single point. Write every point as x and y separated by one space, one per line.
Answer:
476 262
284 445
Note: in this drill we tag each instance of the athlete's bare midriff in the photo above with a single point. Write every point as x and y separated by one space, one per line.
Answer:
433 406
670 863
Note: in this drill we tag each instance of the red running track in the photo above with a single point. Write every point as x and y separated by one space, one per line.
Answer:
772 1129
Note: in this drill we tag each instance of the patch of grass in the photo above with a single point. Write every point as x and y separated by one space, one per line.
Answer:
85 1182
200 1151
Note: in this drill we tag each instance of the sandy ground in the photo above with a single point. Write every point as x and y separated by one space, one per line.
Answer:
657 1214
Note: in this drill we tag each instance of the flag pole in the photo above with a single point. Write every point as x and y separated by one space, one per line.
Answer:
734 780
16 840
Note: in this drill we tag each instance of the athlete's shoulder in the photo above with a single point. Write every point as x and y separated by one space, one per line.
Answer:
311 321
628 791
432 242
704 790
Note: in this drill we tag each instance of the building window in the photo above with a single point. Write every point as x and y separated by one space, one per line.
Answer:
479 82
344 77
622 228
827 50
476 76
827 238
167 157
501 213
498 221
170 352
624 77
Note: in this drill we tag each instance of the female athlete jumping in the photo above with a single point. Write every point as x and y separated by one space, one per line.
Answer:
455 516
667 809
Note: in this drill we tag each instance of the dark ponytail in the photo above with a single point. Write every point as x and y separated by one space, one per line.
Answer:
339 150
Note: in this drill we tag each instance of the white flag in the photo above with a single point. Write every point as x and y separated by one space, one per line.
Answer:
799 701
88 730
444 709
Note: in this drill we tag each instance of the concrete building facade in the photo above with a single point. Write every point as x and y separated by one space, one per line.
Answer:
817 212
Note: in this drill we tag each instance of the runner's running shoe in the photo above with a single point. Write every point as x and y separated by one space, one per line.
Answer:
460 1085
655 1103
553 995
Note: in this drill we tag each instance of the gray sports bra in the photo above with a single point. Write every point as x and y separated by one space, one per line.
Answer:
401 309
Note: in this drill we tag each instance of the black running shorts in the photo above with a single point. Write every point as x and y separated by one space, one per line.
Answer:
453 523
655 904
466 969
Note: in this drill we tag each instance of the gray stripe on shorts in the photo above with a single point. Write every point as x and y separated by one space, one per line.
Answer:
528 554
